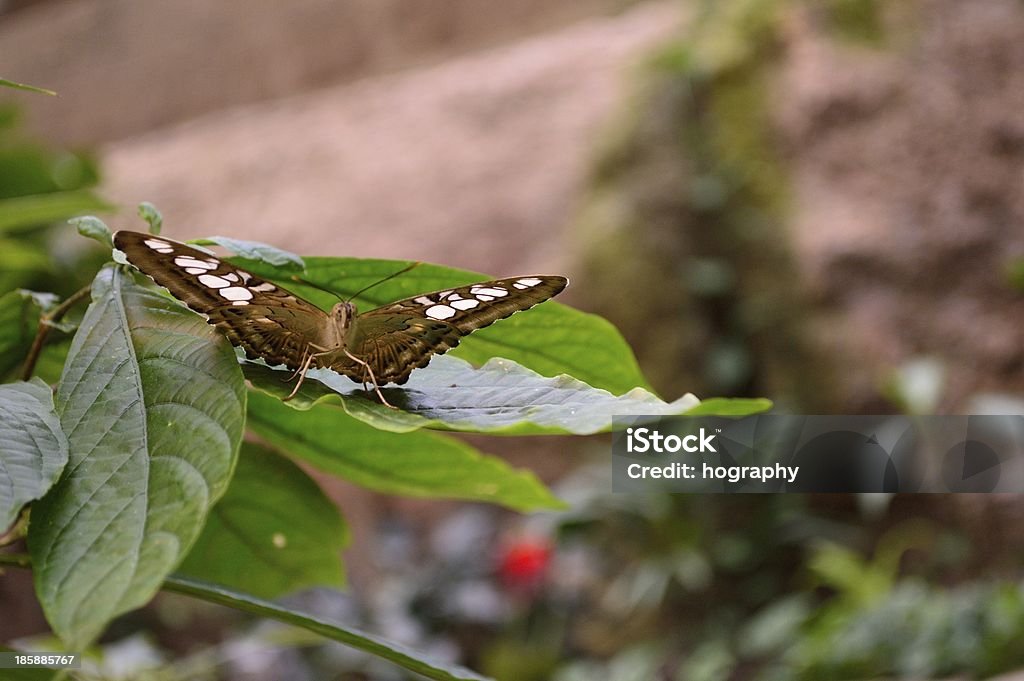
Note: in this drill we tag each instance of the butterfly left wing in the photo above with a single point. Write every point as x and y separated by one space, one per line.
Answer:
397 338
264 319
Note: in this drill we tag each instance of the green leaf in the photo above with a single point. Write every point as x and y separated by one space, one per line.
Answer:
50 365
730 406
420 463
154 406
551 338
273 532
28 88
33 449
39 209
20 260
149 213
256 252
19 321
92 227
500 397
369 643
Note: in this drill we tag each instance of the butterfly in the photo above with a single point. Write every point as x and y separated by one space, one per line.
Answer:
378 347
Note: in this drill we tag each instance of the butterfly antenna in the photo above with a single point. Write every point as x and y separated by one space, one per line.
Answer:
311 284
381 281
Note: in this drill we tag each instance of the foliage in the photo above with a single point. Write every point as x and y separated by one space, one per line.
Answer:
39 186
153 403
154 411
754 588
35 448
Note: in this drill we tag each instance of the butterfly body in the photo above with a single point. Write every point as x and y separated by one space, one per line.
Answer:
378 347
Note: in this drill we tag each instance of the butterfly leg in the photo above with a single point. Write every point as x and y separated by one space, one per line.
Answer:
303 366
373 379
301 373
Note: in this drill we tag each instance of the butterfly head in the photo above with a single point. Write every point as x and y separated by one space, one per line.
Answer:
343 313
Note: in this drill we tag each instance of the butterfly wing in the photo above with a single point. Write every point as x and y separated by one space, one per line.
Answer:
264 319
397 338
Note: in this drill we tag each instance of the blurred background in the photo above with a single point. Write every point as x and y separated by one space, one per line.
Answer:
816 201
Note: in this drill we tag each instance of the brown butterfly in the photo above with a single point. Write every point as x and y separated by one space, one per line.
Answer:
375 348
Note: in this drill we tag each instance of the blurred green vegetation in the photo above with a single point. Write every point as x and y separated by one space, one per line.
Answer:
766 588
690 198
771 588
40 187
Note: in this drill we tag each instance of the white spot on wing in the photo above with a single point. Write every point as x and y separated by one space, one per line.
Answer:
529 281
486 299
236 293
488 291
440 312
423 300
189 261
466 304
213 281
156 244
231 276
265 287
195 270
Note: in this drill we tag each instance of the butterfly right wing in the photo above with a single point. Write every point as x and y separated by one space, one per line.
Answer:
267 321
400 337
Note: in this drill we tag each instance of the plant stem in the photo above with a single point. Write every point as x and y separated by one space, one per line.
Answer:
21 560
17 530
354 638
46 322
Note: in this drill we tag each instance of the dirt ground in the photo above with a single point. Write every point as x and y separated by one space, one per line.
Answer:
476 162
908 164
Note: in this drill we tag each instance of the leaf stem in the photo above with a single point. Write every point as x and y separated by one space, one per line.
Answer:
46 322
239 601
21 560
16 531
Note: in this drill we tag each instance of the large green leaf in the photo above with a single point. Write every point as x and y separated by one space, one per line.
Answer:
551 338
154 406
273 532
417 463
38 209
33 449
731 406
369 643
500 397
